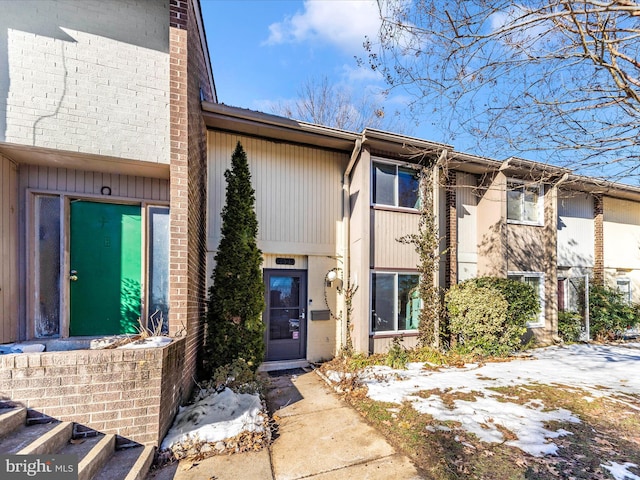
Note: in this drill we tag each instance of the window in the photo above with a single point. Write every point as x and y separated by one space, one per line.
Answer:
535 279
395 302
524 203
158 255
624 287
395 186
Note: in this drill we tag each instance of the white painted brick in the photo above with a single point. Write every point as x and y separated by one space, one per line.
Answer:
114 58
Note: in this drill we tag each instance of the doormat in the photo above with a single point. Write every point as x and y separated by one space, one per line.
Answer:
287 373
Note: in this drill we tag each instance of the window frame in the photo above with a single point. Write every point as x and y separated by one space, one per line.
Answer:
628 294
515 184
396 274
541 296
396 192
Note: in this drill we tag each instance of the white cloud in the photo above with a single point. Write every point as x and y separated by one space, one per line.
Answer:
344 24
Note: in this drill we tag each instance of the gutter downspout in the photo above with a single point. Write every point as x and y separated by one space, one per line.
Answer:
346 220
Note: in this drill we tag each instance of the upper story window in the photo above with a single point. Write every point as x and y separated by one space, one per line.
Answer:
524 203
395 186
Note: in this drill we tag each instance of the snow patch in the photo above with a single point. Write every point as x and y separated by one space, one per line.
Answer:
596 369
216 417
621 471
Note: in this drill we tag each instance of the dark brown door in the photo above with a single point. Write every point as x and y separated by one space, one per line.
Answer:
285 314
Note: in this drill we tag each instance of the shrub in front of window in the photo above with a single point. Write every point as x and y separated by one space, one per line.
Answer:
569 326
489 315
609 313
523 299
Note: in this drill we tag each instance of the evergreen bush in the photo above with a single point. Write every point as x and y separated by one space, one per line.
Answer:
609 313
569 326
489 315
236 298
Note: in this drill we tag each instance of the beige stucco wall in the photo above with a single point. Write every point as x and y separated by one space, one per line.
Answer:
491 211
90 76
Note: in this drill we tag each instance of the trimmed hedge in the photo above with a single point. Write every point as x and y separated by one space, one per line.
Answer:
489 315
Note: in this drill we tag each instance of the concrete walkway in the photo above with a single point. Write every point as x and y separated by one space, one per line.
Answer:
319 437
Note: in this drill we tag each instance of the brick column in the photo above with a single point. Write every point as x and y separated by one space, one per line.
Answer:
451 231
188 172
598 247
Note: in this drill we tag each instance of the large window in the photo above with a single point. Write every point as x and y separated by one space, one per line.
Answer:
524 203
395 302
535 279
395 186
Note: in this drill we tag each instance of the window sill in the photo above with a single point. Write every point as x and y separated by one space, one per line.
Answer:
390 208
522 222
402 333
535 325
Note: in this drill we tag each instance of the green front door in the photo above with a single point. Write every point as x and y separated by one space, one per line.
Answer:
105 264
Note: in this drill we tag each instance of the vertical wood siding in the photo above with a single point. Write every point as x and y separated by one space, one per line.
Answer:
467 213
575 230
621 234
91 183
8 251
386 228
298 193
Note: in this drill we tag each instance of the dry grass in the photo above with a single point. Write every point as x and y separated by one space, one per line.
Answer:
609 432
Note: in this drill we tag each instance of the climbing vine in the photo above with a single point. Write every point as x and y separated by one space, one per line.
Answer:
426 243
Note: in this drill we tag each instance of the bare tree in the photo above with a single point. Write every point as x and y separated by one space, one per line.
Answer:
324 103
554 80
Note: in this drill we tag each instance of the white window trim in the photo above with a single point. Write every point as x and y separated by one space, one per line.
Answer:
540 206
541 296
395 187
629 293
395 273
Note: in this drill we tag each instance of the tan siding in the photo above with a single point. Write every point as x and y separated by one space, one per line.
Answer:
359 250
467 213
575 230
387 227
298 193
269 261
621 234
91 183
8 251
382 345
491 227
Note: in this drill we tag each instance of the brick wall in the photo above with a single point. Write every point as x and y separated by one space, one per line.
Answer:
91 79
598 235
133 393
452 231
188 185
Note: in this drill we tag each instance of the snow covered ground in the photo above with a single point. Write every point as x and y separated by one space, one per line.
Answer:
215 417
598 370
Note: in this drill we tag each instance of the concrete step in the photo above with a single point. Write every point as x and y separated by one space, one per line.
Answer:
12 419
21 438
128 464
50 442
97 457
100 457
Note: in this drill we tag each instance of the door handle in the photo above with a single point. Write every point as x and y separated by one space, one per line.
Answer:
302 314
73 275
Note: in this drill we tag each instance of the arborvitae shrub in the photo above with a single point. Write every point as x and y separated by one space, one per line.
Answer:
236 299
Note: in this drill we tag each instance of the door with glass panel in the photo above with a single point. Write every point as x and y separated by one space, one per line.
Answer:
285 314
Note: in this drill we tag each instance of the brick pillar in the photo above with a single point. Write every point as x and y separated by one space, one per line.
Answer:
188 174
451 231
598 247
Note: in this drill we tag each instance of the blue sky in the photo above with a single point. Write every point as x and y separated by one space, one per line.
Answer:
263 51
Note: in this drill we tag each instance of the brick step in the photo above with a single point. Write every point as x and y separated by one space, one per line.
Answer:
101 457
